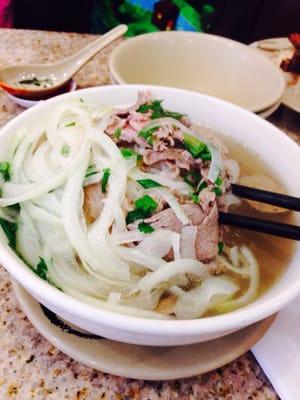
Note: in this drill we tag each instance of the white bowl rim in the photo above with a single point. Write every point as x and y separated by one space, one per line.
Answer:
175 328
261 106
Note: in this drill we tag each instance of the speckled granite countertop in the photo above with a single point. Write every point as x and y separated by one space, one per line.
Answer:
30 367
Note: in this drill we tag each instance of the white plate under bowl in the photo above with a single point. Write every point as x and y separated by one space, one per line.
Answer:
200 62
277 49
138 362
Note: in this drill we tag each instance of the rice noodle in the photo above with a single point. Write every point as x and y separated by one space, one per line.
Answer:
168 271
196 302
252 290
188 241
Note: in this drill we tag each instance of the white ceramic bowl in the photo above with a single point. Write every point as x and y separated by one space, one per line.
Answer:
201 62
278 151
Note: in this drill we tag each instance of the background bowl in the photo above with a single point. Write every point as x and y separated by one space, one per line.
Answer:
201 62
277 150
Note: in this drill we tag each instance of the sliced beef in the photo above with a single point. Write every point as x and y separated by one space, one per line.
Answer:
182 158
206 244
208 236
165 219
206 197
93 202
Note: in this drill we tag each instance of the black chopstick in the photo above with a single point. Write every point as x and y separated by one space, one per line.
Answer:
260 225
263 196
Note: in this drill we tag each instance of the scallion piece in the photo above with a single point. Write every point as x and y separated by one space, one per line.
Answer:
193 145
205 154
42 269
73 123
91 171
128 153
192 178
218 181
202 185
195 198
146 203
220 247
148 134
158 111
148 183
65 150
106 174
218 191
5 170
144 207
10 230
117 133
135 215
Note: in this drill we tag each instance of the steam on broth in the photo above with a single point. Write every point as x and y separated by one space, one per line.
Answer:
118 207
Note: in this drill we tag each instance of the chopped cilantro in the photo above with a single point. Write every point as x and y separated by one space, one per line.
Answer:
106 174
158 111
218 191
81 100
147 133
144 207
148 183
117 133
220 247
73 123
145 228
10 230
42 269
65 150
194 197
91 171
146 203
134 215
5 170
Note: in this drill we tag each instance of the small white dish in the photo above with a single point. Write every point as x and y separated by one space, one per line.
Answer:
278 49
25 103
269 111
138 362
200 62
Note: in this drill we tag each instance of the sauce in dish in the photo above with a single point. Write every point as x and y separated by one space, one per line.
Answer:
118 207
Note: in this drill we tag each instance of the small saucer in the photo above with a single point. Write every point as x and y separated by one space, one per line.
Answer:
269 111
138 362
25 103
278 49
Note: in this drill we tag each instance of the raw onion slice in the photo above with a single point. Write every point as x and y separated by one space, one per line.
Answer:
188 240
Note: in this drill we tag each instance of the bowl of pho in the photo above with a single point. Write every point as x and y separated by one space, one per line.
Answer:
109 213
